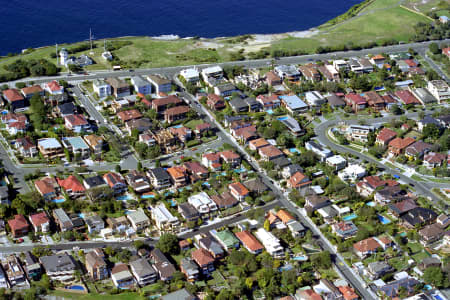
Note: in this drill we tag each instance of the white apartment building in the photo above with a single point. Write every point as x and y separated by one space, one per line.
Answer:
202 203
164 219
270 242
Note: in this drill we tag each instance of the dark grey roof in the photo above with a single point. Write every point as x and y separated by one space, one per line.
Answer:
419 215
159 174
334 100
238 104
67 108
256 185
3 192
209 244
142 268
95 181
281 162
187 210
430 120
58 263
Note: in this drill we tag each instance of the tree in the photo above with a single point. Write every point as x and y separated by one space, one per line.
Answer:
434 276
434 48
267 225
168 243
321 260
431 130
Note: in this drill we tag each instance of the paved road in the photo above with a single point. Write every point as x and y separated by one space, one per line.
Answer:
171 71
339 262
321 132
434 65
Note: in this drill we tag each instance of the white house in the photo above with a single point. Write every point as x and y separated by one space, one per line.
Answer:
318 149
164 219
270 242
202 203
102 88
337 162
352 173
315 99
190 75
439 89
141 86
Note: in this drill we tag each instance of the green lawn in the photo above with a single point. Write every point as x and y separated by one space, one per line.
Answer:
415 247
93 296
420 256
399 263
193 123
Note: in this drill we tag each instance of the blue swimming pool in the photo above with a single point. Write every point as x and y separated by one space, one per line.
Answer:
177 126
282 118
172 203
81 215
383 220
269 111
206 184
371 203
349 217
300 258
75 287
147 196
58 200
437 297
402 234
241 170
294 150
124 198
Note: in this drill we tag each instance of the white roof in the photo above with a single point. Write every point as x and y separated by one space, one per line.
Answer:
189 73
200 199
270 242
336 159
213 69
313 96
161 213
49 143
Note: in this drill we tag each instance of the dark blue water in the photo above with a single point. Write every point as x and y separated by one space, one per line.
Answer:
34 23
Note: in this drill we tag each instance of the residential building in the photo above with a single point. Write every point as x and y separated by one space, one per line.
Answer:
392 288
188 212
337 162
94 182
47 187
128 115
138 181
225 200
359 132
19 226
231 158
102 88
182 294
77 123
94 223
210 245
31 266
50 148
296 228
26 147
204 260
310 72
315 202
95 264
423 96
292 124
95 142
178 176
238 190
307 294
141 86
378 269
270 242
203 203
352 173
139 220
398 145
289 72
385 136
315 99
226 239
159 178
119 224
116 182
143 271
29 91
65 109
119 87
270 152
406 97
16 100
40 222
176 113
273 79
402 207
344 229
77 146
375 101
439 89
430 234
162 265
62 220
249 242
215 102
190 75
122 277
14 271
294 104
59 267
268 102
418 149
164 219
366 247
355 101
189 268
318 149
161 84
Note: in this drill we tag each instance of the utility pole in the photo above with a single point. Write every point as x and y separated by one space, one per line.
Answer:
90 41
56 49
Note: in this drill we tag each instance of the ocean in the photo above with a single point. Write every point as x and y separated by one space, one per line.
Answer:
30 23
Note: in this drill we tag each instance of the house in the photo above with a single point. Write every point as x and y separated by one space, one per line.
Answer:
352 173
270 152
210 245
102 88
128 115
139 125
16 100
344 229
72 186
138 220
359 132
256 186
94 223
418 215
47 187
335 101
418 149
25 147
270 243
430 234
164 219
439 89
249 242
13 269
212 72
315 99
190 75
273 79
231 158
119 224
40 222
298 181
238 190
16 128
29 91
204 260
348 292
76 123
161 84
122 277
289 72
392 288
211 160
31 266
315 202
53 88
215 102
182 133
253 105
188 212
341 65
176 113
375 101
182 294
443 220
378 60
138 181
245 134
50 148
202 128
329 73
378 269
119 87
284 216
310 72
355 101
428 262
18 226
407 97
268 102
147 138
77 146
296 228
423 96
116 182
95 264
336 161
62 220
318 149
402 207
159 178
366 247
94 182
307 294
95 142
398 145
178 176
162 265
59 267
238 105
225 89
3 280
196 170
224 200
143 272
226 239
385 136
65 109
203 203
189 268
294 104
427 120
141 85
390 193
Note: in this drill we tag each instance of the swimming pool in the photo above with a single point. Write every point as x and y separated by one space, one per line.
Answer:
75 287
206 184
124 198
371 203
383 219
269 111
349 217
173 203
294 150
241 170
177 126
58 200
282 118
300 258
147 196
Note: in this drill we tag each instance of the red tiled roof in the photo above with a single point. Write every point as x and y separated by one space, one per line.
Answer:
127 115
18 223
39 219
166 100
386 134
239 188
212 156
366 245
54 86
355 99
177 110
202 126
112 178
284 216
45 185
228 154
18 125
32 89
76 120
298 179
12 95
14 117
411 62
249 240
434 158
71 183
348 293
270 151
258 143
400 143
202 257
407 97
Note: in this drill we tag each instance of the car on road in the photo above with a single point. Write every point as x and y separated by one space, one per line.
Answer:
19 241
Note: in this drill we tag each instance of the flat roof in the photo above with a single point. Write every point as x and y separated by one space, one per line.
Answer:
294 102
49 143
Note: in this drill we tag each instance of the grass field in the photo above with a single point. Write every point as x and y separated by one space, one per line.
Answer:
379 21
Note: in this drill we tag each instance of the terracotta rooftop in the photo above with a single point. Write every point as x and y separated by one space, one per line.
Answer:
366 245
284 216
386 134
202 257
71 183
239 188
249 240
127 115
